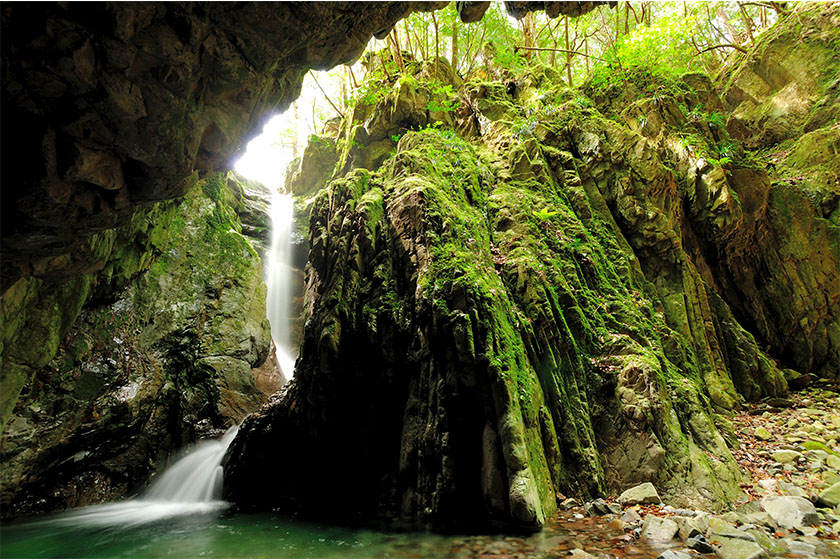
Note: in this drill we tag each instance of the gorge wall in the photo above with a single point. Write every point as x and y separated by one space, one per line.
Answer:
152 361
550 291
129 328
539 293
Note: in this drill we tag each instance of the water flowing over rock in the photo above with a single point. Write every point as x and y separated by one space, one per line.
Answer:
154 360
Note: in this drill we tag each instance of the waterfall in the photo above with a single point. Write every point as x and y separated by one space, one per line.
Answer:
279 280
192 485
196 477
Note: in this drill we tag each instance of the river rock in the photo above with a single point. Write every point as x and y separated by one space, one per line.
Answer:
802 549
790 511
597 507
833 461
631 517
700 544
642 494
762 434
728 547
830 497
658 529
768 483
786 455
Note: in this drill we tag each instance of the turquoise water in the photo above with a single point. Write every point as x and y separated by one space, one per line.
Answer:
207 535
221 534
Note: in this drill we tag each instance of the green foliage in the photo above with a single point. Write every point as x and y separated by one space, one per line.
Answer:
544 214
213 185
716 120
583 102
444 99
660 51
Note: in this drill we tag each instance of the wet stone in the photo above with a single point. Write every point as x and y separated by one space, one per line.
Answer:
658 529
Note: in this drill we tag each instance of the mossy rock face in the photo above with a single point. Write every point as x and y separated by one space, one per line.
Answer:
109 375
562 302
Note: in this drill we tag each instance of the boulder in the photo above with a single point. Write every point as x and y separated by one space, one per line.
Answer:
786 455
762 434
790 511
642 494
658 529
830 497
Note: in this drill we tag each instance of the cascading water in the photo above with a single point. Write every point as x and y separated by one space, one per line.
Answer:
279 280
190 486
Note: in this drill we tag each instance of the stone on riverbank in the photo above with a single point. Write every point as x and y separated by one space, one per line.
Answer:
790 511
642 494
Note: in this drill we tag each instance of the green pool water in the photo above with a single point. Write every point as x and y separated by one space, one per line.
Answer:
120 532
210 535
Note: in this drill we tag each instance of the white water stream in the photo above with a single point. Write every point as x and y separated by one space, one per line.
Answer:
190 486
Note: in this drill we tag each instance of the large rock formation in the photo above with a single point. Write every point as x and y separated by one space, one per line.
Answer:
109 105
108 108
145 368
563 302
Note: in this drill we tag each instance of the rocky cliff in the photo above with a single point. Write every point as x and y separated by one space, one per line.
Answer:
153 360
544 291
107 110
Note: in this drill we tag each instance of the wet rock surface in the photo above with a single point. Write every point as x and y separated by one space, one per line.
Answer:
147 367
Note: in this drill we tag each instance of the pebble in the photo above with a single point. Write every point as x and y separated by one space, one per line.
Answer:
768 483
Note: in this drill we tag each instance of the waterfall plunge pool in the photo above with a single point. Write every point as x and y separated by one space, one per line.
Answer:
221 533
180 515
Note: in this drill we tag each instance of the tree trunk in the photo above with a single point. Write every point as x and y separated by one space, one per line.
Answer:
528 32
626 18
409 46
437 45
748 24
395 45
728 24
454 46
586 51
568 54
